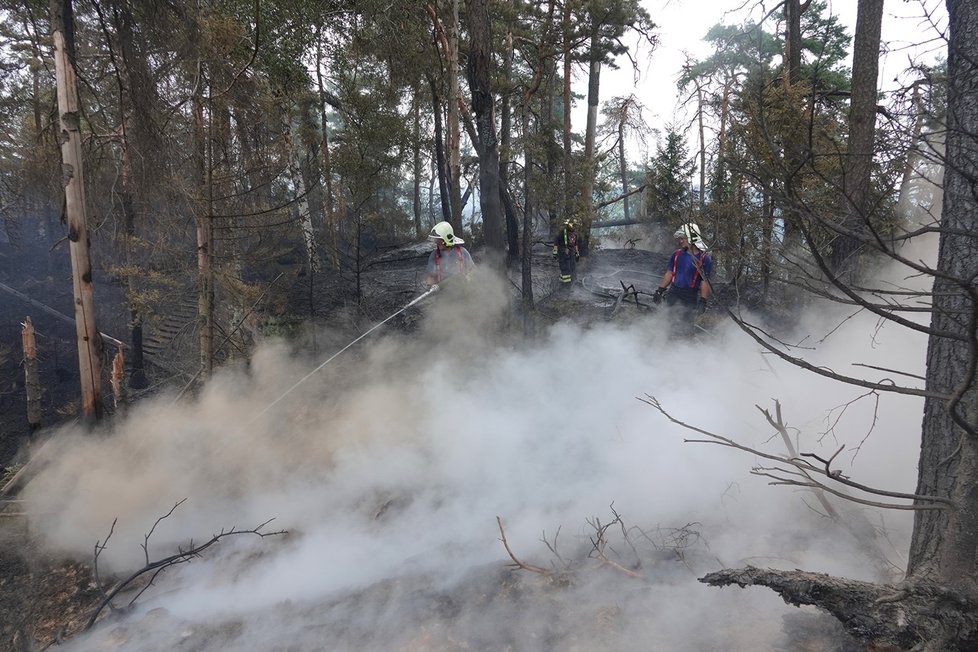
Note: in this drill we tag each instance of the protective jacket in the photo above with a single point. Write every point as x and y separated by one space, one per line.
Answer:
448 262
566 253
688 271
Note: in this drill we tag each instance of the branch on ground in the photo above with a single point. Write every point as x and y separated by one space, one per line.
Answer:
155 568
902 616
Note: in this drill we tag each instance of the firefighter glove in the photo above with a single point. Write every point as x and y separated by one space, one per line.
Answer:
555 251
657 297
577 255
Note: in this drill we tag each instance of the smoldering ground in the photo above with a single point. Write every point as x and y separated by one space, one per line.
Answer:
389 466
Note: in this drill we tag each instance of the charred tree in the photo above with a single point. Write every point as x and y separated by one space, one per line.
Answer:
32 379
89 341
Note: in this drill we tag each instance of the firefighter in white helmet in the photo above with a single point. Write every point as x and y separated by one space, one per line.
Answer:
449 258
686 280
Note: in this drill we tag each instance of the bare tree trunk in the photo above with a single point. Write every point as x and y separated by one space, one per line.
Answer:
587 183
566 204
332 242
903 206
767 237
945 542
528 208
547 128
443 173
454 133
858 166
792 148
416 168
479 62
506 121
205 232
623 168
32 380
118 381
699 118
138 379
305 216
89 341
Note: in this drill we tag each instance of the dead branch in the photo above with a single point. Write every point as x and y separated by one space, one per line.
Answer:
145 544
160 565
918 501
516 562
599 542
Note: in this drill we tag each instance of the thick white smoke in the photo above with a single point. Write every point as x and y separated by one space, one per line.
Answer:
389 467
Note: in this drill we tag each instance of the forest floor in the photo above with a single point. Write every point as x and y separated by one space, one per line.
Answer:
44 598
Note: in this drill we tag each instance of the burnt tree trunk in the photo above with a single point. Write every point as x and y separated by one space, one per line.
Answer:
89 341
32 379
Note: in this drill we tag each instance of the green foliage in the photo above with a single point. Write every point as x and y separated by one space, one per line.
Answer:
668 193
9 473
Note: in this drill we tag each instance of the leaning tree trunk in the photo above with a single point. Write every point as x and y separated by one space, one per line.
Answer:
89 341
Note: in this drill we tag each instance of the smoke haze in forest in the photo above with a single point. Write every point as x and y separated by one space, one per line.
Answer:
390 465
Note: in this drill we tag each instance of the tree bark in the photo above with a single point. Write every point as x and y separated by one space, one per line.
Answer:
479 62
702 135
205 237
945 543
888 617
566 204
326 167
454 133
858 165
89 341
506 122
623 164
416 164
32 380
587 185
446 202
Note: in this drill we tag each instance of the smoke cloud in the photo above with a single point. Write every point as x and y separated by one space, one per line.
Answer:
389 466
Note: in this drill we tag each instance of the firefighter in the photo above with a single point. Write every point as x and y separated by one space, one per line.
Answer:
566 253
686 280
449 258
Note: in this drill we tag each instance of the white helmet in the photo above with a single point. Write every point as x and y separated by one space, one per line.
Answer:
691 234
443 231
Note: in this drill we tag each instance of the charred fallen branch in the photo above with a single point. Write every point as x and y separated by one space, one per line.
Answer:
154 568
904 616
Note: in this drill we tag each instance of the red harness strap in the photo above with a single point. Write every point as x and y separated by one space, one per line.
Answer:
696 265
458 256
